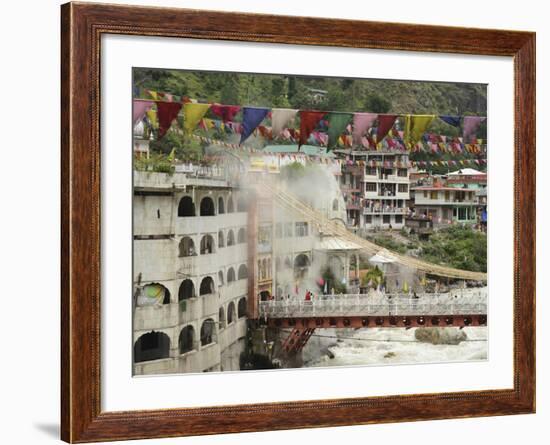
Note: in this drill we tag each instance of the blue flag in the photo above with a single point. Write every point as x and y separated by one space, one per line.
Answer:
451 120
252 117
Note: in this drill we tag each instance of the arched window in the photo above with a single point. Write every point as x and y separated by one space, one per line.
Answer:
301 265
186 341
220 278
153 294
207 286
241 236
186 290
241 307
335 205
230 205
151 346
243 272
221 206
207 207
265 295
230 238
208 332
186 207
221 240
230 313
187 247
221 317
207 245
230 275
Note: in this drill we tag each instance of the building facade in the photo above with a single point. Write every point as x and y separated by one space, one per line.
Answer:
190 248
445 205
375 189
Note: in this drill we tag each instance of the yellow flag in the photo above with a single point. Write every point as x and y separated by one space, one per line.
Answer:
153 94
416 125
405 287
152 116
172 154
192 114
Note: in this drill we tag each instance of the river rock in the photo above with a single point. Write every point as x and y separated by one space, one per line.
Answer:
440 336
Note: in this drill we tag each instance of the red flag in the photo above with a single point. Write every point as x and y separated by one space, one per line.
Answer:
226 112
385 124
167 112
308 122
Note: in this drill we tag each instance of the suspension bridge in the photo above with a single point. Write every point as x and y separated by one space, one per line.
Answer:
466 307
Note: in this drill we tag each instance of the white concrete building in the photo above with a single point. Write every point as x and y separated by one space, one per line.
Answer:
445 205
190 249
385 190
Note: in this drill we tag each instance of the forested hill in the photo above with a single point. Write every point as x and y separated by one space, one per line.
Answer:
335 94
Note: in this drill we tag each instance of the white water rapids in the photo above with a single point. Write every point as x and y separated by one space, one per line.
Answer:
384 346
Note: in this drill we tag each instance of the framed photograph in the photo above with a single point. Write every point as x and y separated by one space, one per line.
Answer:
275 222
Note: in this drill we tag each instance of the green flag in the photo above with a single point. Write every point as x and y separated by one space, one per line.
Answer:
337 123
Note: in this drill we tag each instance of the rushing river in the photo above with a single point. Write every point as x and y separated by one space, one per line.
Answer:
382 346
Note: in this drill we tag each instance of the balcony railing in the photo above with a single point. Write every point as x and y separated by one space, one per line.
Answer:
376 305
390 210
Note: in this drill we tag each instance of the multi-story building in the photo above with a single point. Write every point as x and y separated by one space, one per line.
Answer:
386 190
190 272
445 205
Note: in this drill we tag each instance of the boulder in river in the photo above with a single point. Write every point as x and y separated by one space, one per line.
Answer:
440 336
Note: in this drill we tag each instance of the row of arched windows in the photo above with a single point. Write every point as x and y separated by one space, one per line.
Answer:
264 269
207 285
186 206
226 318
207 245
156 345
242 273
187 288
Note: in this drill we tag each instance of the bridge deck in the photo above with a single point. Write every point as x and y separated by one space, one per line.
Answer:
361 305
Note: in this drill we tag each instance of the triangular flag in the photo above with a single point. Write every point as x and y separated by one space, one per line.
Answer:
152 116
167 112
308 122
451 120
415 126
361 123
192 114
337 123
140 108
153 94
471 123
226 112
385 124
280 118
252 117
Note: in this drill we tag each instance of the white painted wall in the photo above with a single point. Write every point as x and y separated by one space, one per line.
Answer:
30 71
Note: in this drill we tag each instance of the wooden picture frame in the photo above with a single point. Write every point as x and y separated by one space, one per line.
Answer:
82 26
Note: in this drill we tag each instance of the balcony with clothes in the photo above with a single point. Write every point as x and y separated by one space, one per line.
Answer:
375 190
392 207
393 174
